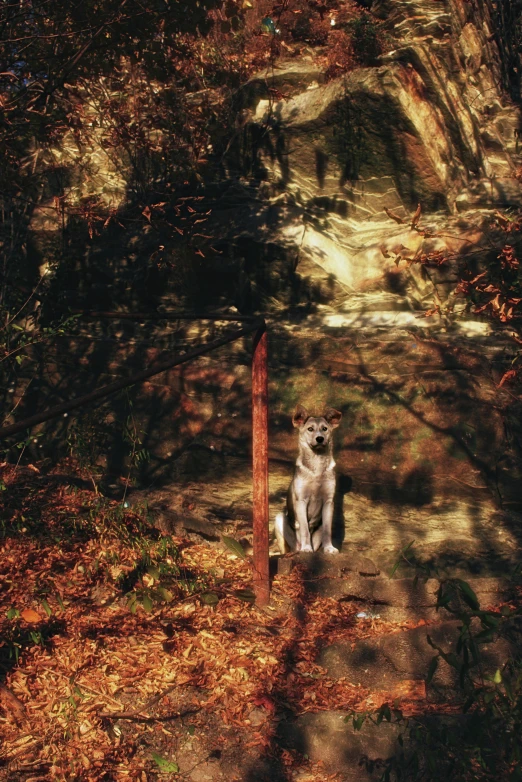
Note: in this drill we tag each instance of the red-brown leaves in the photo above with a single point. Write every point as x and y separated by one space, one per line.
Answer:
394 216
508 259
511 374
416 217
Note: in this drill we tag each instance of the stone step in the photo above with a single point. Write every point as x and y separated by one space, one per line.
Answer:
329 737
382 663
352 575
359 755
418 596
322 565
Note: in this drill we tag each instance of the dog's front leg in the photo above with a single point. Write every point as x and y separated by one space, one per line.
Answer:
328 509
301 515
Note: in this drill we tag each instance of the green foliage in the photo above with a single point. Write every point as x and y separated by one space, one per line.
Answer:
482 741
365 39
88 437
157 578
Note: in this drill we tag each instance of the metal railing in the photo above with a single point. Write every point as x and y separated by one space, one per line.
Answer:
250 325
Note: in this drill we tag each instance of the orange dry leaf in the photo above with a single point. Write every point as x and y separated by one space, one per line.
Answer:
31 616
393 215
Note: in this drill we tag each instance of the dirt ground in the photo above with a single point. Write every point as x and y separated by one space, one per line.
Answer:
129 653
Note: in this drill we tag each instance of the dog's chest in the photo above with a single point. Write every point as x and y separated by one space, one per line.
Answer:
314 489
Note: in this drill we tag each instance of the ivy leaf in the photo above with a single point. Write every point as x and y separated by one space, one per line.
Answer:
386 712
358 721
165 594
468 594
233 546
154 573
165 766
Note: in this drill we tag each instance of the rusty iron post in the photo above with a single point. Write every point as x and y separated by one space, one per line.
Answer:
260 465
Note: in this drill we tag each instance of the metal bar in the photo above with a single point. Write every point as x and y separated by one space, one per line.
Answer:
118 385
166 316
260 465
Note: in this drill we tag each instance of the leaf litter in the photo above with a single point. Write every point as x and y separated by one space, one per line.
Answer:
109 686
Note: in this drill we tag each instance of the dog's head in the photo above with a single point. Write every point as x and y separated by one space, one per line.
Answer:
316 433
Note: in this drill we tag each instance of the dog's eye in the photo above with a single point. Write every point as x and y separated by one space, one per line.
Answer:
325 428
310 428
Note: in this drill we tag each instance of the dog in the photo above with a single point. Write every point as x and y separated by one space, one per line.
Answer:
307 521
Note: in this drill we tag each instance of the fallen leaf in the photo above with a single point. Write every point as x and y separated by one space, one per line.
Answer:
509 375
31 616
416 217
394 216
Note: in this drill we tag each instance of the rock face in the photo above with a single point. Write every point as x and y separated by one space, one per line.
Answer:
427 125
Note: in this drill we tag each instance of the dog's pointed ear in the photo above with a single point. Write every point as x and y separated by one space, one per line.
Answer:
332 417
301 415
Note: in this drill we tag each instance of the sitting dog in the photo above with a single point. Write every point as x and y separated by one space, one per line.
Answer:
307 521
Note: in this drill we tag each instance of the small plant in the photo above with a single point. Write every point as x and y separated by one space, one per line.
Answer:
16 636
88 438
156 576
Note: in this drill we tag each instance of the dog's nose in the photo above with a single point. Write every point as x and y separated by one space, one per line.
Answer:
319 440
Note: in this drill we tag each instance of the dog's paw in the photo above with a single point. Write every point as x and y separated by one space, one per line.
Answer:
306 549
331 549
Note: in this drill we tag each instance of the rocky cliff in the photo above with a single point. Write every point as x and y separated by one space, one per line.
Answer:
428 124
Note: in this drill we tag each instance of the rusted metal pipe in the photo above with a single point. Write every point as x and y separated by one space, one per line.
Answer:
102 315
260 465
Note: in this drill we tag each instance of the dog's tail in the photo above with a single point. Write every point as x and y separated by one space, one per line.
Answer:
285 535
